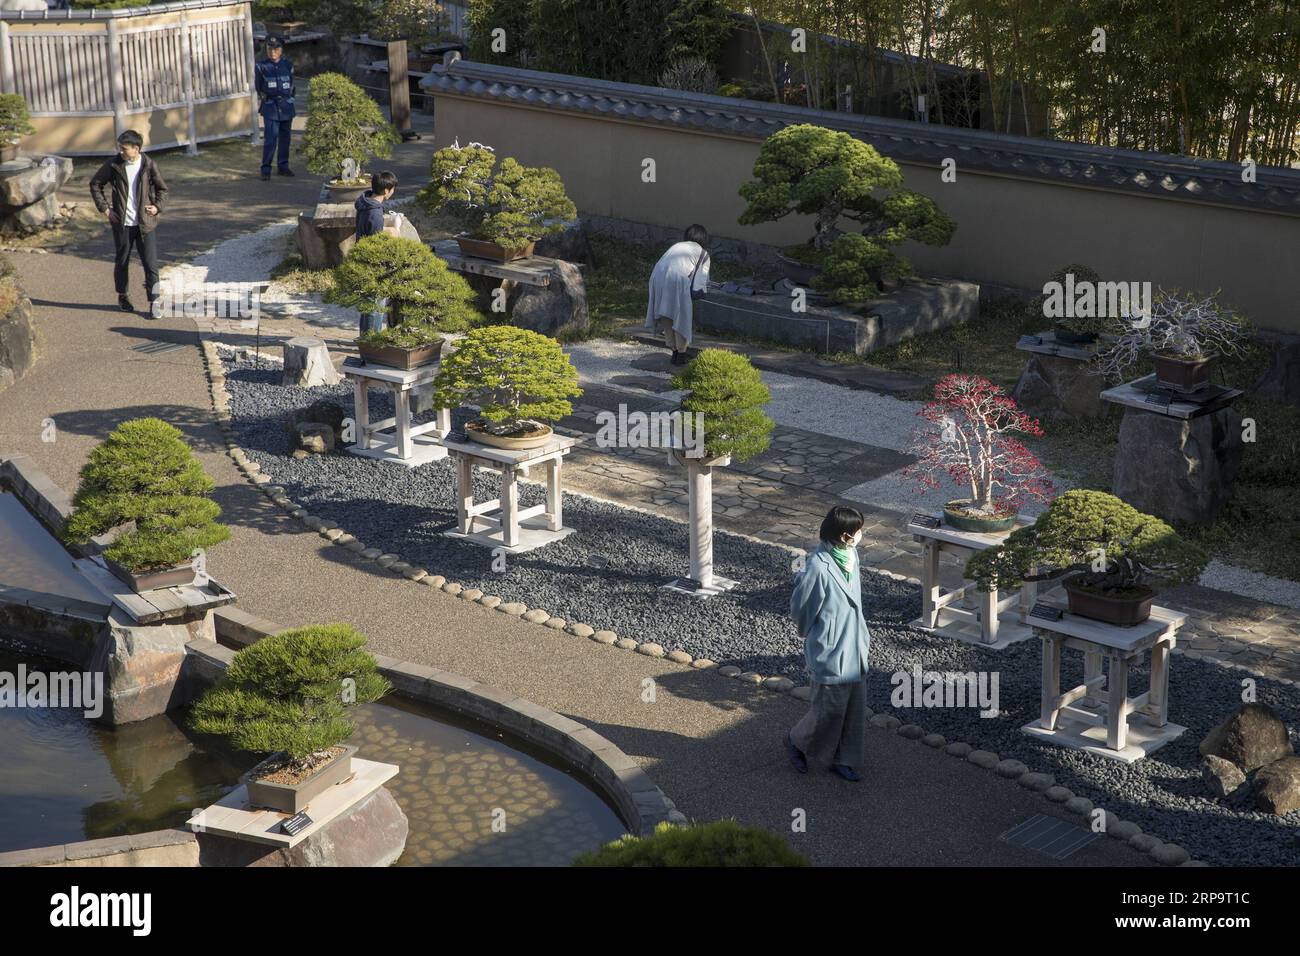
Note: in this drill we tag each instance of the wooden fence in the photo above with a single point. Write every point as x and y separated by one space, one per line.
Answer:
179 73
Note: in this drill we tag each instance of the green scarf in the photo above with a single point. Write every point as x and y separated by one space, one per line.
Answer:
844 558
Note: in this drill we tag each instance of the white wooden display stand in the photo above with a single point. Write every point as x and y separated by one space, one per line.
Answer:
996 620
1101 724
395 439
702 583
507 525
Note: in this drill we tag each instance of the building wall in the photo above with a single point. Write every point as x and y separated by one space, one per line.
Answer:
1010 231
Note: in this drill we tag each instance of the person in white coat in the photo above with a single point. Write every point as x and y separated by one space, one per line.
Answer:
680 276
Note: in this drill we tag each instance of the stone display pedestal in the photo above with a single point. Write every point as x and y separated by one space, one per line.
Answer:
1177 458
28 192
702 583
996 620
1101 724
542 294
507 525
307 363
1058 380
395 439
327 234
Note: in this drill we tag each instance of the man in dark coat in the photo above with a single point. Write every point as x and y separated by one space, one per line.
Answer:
275 93
131 192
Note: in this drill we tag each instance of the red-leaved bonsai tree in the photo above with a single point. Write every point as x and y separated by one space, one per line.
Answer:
970 437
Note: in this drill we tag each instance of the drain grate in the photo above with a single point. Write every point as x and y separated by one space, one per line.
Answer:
1050 836
156 347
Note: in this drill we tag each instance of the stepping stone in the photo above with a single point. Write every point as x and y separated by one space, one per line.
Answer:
603 637
581 630
536 616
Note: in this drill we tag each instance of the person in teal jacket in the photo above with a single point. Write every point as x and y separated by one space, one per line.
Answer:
827 609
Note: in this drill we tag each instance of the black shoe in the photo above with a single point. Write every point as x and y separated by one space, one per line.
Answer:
848 773
679 358
266 177
285 172
124 303
797 758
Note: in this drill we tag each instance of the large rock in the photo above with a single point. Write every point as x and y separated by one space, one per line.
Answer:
1281 381
1277 786
307 363
373 833
24 181
322 411
315 438
328 233
1180 470
1221 777
17 341
1250 738
143 663
1052 388
569 245
29 219
558 307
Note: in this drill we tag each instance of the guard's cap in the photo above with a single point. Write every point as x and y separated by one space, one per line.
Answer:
274 43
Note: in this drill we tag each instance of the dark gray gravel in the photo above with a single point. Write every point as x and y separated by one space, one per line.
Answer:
607 574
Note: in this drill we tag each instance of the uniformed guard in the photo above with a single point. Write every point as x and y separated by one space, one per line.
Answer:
275 96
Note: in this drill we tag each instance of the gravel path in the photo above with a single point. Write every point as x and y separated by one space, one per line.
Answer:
607 574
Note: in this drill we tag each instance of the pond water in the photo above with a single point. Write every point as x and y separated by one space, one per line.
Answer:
32 560
473 798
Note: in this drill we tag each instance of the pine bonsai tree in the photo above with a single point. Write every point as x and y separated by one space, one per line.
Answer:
145 473
290 693
424 296
509 204
718 843
343 124
820 172
728 391
1096 540
514 375
15 121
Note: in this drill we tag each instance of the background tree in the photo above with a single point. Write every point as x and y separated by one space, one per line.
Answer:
417 284
15 121
343 123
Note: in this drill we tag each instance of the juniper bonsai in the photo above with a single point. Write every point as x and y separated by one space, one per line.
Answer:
417 284
514 375
145 473
830 175
291 693
343 124
729 392
509 204
1094 540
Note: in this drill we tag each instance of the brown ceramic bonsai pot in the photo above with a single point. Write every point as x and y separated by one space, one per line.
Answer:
534 438
395 356
291 798
1182 375
955 514
482 249
1120 610
141 581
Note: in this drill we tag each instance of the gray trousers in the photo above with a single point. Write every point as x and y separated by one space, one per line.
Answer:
834 729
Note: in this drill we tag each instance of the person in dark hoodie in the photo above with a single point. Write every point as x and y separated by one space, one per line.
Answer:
370 222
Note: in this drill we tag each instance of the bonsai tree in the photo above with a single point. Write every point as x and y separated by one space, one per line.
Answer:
719 843
726 395
145 473
425 298
15 121
518 378
832 176
1095 541
1184 325
970 438
290 694
508 204
1057 289
344 128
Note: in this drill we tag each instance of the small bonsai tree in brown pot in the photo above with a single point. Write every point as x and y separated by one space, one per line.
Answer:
289 696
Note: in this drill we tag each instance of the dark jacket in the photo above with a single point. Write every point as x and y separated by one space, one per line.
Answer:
108 188
370 215
275 87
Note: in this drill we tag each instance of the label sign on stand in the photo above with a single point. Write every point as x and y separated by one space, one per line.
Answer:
296 823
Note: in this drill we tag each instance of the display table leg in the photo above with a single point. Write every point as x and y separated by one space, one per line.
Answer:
402 403
464 494
930 583
443 417
988 604
1051 693
1117 704
1091 670
554 498
1158 699
509 507
361 398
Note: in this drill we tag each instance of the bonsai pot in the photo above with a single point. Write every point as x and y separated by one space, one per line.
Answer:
293 797
395 356
800 273
482 249
1120 610
141 581
537 436
1180 374
956 515
345 192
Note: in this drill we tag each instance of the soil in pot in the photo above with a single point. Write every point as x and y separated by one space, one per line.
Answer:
482 249
532 435
960 515
287 786
1182 374
399 357
1121 608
